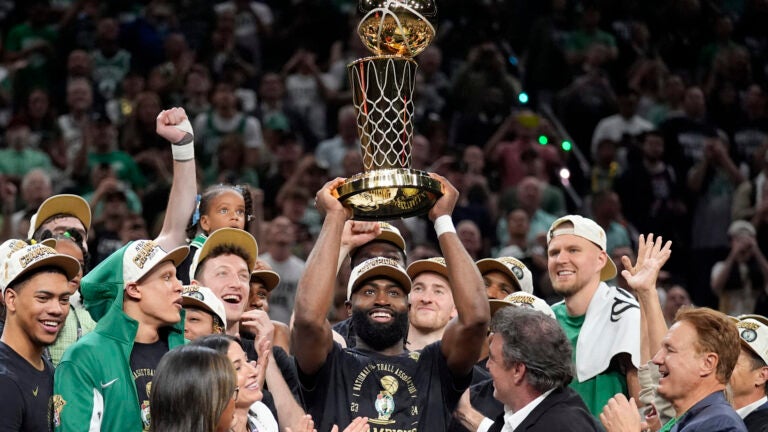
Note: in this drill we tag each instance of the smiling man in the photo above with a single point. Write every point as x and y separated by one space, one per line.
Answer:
602 322
35 288
696 360
431 302
104 380
224 264
379 378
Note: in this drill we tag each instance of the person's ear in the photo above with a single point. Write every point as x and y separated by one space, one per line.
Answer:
133 291
9 298
762 377
348 306
709 364
205 223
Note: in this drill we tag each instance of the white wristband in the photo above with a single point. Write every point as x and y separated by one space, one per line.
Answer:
444 224
183 152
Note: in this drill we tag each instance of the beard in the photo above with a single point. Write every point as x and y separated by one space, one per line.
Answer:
380 336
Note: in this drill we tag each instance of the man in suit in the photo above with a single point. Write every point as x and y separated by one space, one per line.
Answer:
530 363
750 375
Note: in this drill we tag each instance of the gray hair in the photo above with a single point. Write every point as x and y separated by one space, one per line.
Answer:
538 342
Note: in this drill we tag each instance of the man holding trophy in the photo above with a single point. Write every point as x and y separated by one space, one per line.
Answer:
379 379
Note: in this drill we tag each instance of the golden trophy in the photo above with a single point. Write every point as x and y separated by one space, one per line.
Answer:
382 93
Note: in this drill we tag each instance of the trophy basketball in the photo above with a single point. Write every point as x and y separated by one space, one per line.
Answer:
382 93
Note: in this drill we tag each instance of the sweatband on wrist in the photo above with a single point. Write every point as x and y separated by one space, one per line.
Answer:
444 224
184 150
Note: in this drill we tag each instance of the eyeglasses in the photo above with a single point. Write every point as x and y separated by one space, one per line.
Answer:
236 393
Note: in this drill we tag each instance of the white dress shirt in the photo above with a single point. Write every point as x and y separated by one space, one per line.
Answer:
512 419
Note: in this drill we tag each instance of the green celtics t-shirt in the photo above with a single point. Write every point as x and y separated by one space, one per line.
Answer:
597 390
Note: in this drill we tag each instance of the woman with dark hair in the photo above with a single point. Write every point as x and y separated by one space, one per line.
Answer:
194 390
251 415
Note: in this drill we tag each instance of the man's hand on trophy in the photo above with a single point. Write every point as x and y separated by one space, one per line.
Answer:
446 203
327 199
173 125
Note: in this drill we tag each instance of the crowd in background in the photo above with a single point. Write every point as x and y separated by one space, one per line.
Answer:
646 116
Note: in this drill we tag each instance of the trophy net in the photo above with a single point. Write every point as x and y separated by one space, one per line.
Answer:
382 93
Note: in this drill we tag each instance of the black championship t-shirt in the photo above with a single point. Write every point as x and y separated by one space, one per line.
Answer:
25 393
414 391
144 361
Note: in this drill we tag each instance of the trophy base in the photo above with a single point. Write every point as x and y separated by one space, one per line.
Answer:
389 194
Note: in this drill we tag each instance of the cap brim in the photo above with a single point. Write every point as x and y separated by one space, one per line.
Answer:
609 270
233 236
489 264
269 278
68 264
385 272
392 238
176 256
67 204
418 267
496 304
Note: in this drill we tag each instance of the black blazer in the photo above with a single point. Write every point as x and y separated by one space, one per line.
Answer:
562 410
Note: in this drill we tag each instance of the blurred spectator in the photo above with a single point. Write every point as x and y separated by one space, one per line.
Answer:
721 47
231 165
622 128
677 297
133 228
197 87
122 107
273 104
80 111
35 188
19 157
226 118
587 100
743 275
751 133
546 69
484 69
143 37
712 181
470 237
529 193
474 128
103 151
352 163
532 254
111 63
39 115
670 103
607 168
588 37
307 90
277 254
330 152
32 43
519 133
684 136
433 87
421 154
253 25
287 153
606 211
652 194
139 131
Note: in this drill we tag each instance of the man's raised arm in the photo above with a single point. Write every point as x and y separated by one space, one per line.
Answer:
174 126
465 335
311 339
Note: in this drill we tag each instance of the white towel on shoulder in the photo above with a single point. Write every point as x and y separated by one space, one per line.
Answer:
611 326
